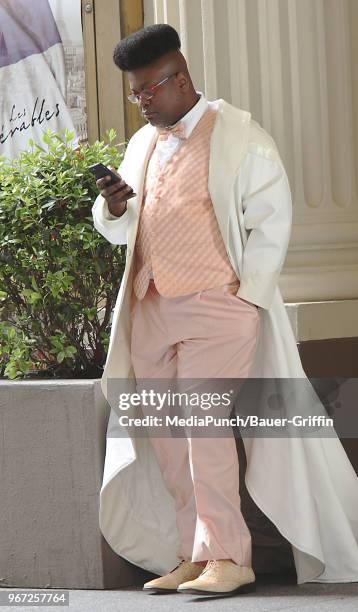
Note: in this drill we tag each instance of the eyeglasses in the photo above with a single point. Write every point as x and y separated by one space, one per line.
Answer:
149 92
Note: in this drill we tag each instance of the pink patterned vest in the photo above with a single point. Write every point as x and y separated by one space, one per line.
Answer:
178 237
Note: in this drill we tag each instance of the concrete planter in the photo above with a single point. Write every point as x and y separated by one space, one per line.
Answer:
52 440
53 436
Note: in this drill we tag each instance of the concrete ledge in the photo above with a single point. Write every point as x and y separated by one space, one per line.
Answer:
52 455
323 320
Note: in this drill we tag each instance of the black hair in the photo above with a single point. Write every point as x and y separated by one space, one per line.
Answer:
145 46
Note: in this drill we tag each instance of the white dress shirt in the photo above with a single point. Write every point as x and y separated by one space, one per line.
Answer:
164 149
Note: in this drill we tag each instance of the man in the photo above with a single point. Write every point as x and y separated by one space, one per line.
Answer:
207 235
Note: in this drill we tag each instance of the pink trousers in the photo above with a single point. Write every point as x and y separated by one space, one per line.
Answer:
209 334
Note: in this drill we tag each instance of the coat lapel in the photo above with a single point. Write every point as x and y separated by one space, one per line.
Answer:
136 175
229 141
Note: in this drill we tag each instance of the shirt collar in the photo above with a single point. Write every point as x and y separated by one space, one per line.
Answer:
192 117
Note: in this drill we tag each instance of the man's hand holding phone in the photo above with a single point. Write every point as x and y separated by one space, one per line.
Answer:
115 192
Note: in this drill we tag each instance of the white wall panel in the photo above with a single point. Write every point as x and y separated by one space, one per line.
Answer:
292 64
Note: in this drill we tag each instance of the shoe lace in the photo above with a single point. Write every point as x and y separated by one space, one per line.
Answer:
211 565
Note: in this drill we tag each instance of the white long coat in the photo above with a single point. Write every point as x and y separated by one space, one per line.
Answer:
306 486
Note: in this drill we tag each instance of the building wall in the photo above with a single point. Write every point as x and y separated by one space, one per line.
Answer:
292 64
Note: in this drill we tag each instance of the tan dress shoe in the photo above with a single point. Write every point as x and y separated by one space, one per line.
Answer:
186 570
221 577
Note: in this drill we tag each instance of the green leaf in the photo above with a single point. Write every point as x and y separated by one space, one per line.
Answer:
71 350
49 205
34 284
61 356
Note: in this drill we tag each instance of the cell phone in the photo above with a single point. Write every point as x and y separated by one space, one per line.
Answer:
100 170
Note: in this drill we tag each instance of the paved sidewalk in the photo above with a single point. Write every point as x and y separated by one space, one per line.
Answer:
272 594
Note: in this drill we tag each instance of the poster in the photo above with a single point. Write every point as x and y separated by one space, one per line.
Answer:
41 72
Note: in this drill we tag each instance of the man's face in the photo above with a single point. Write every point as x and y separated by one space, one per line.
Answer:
168 102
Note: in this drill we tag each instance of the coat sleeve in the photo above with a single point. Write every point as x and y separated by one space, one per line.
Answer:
113 228
267 212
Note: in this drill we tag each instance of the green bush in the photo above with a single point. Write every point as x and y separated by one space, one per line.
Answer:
58 276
